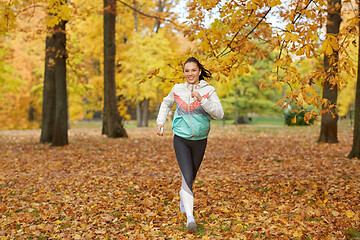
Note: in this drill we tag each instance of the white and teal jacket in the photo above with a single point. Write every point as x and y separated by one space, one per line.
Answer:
191 117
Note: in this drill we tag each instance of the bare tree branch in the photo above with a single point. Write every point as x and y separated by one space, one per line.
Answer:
146 14
27 8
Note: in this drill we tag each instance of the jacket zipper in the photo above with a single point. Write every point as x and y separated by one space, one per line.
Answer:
192 127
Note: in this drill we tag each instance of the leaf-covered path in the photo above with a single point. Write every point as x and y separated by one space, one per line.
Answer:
255 183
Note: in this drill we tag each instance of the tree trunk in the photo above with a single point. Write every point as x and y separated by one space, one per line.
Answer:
48 108
328 132
138 114
112 122
138 103
355 150
60 137
31 112
236 107
145 113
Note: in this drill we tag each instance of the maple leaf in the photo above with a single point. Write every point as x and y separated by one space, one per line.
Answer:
349 213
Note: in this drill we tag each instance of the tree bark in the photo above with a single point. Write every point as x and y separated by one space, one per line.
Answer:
48 108
31 112
355 150
112 122
60 137
328 132
138 103
138 114
145 113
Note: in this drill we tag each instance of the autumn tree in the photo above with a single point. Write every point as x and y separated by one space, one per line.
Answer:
143 103
60 137
142 106
84 59
147 52
355 150
48 112
24 45
231 42
55 104
328 132
112 122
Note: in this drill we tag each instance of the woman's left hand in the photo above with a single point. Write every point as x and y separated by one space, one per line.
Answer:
197 95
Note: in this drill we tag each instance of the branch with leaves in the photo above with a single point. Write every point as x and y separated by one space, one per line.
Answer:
247 35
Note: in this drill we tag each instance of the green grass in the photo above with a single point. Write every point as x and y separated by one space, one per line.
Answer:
258 120
97 124
271 120
87 124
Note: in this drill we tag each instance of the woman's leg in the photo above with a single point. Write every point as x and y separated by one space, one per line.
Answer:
189 155
198 148
184 158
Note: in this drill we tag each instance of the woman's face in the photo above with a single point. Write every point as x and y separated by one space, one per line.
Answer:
191 73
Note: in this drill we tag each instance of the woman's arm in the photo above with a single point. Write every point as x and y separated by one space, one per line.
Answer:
165 107
213 105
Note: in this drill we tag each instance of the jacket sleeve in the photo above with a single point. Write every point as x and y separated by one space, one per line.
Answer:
213 105
165 107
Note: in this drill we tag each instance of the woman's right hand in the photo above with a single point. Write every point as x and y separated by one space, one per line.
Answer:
160 130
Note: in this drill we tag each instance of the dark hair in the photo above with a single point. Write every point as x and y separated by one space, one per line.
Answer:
204 72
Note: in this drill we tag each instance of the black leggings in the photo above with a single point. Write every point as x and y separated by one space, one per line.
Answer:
189 154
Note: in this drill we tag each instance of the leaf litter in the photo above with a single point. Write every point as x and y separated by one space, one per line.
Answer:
254 183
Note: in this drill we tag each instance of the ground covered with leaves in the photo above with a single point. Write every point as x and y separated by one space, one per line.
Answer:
256 182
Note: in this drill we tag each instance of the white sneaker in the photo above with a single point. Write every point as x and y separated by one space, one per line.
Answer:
191 225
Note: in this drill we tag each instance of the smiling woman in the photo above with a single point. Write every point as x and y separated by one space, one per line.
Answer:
196 103
193 68
192 73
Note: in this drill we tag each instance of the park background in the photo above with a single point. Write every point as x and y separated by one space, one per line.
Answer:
277 166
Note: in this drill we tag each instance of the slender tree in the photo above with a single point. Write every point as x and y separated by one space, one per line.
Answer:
138 113
139 116
142 107
146 102
328 132
355 150
145 112
112 122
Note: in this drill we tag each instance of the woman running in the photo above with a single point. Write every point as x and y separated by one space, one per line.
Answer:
196 103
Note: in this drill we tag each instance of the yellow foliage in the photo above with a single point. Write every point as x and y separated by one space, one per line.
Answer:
23 64
143 55
346 97
274 3
149 63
